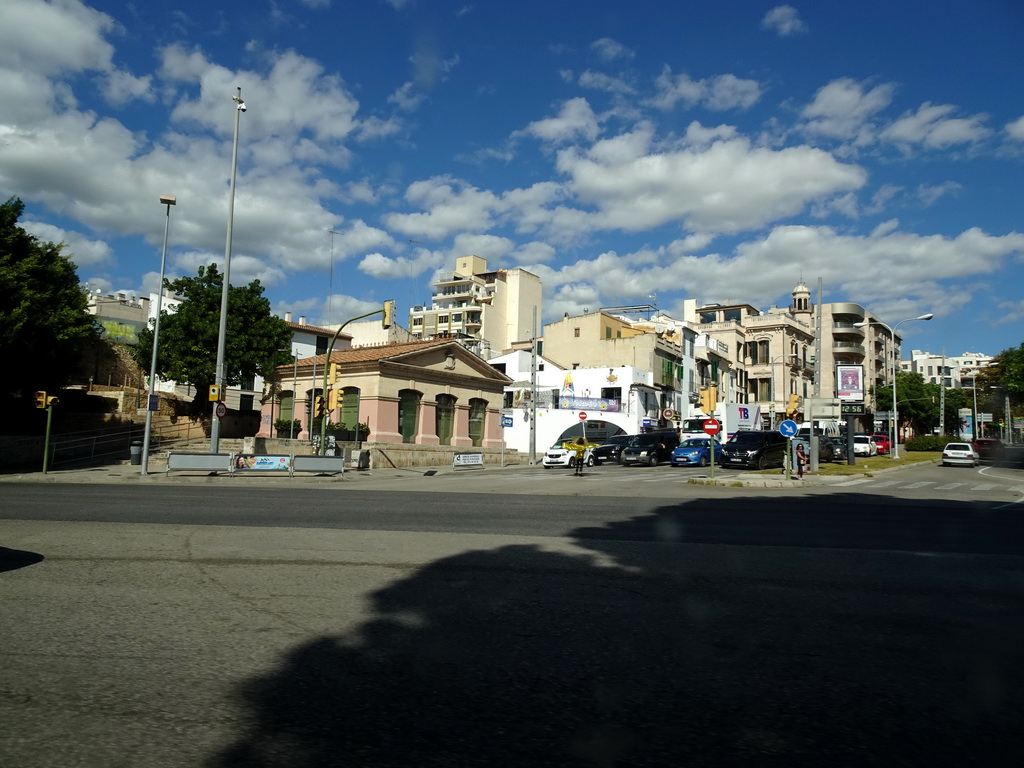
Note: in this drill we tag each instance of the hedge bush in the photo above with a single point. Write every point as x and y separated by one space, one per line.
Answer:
930 442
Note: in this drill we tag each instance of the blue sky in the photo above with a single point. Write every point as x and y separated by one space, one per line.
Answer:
715 151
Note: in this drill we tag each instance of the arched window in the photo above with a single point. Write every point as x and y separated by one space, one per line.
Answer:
477 413
350 407
408 414
444 419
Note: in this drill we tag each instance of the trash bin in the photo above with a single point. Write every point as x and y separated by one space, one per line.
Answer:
136 452
364 460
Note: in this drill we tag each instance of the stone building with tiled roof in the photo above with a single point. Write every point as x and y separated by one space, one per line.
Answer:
433 392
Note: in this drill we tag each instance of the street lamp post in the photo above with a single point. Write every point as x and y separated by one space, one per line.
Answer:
772 384
220 373
895 411
167 200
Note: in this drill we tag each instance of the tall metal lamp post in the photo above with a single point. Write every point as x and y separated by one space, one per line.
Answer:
167 200
220 373
895 411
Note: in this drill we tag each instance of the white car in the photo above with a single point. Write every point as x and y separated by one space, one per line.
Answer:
959 453
864 446
557 456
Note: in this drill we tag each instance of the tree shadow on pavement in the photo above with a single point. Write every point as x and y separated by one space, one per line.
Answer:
637 648
12 559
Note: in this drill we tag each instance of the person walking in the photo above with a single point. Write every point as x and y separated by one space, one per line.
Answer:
579 447
801 461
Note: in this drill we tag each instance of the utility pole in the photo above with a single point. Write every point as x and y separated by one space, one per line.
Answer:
533 391
942 394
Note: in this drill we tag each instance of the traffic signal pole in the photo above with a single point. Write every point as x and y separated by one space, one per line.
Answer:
387 313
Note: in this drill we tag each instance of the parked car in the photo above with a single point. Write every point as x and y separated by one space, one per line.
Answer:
649 448
610 449
695 451
825 449
959 453
988 448
838 448
864 446
755 448
557 456
882 441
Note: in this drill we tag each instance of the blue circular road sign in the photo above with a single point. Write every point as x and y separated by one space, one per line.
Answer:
788 428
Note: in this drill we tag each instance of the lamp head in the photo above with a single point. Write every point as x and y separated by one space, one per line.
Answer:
168 200
928 316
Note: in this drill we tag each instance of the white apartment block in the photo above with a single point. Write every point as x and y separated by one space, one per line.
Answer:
487 310
951 372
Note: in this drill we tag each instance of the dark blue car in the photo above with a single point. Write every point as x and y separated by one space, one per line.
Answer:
696 452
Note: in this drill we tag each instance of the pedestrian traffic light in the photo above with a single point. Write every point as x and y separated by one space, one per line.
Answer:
387 318
709 399
318 407
794 405
40 399
333 376
332 399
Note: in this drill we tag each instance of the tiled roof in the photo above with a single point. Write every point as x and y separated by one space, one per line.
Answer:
314 329
371 353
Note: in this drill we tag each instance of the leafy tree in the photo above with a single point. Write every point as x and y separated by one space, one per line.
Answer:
43 321
188 335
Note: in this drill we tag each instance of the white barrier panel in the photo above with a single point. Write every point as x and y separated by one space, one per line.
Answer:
319 464
199 462
468 460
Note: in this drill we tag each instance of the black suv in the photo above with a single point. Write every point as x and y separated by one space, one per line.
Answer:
610 449
760 449
649 448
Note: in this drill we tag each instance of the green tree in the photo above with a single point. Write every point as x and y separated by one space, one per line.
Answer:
43 322
917 401
188 335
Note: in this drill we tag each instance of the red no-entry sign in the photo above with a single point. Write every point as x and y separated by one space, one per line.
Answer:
583 415
712 427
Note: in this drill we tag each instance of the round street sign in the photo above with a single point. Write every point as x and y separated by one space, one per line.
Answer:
788 428
222 410
712 427
668 414
583 415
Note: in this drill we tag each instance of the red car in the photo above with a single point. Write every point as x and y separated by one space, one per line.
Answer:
989 448
882 441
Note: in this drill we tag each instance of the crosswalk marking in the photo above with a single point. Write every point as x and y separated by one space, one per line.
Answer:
859 481
948 486
917 485
987 487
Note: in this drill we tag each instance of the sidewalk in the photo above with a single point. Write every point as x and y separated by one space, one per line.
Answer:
127 473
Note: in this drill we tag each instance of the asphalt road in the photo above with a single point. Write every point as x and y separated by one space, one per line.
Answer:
306 628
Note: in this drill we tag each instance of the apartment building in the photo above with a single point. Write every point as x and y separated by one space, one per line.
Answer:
663 346
487 310
951 372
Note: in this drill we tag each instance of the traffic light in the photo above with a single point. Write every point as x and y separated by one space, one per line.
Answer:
333 377
709 399
795 403
332 399
318 407
387 318
40 399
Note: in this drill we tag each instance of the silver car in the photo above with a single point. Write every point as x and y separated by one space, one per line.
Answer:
959 453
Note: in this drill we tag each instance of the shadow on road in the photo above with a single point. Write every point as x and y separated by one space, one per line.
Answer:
638 650
12 559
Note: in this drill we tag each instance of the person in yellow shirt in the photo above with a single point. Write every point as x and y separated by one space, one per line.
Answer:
578 445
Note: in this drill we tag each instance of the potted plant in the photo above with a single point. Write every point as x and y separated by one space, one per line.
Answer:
287 427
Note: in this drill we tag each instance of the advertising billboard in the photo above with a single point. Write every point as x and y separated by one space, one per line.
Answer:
850 382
